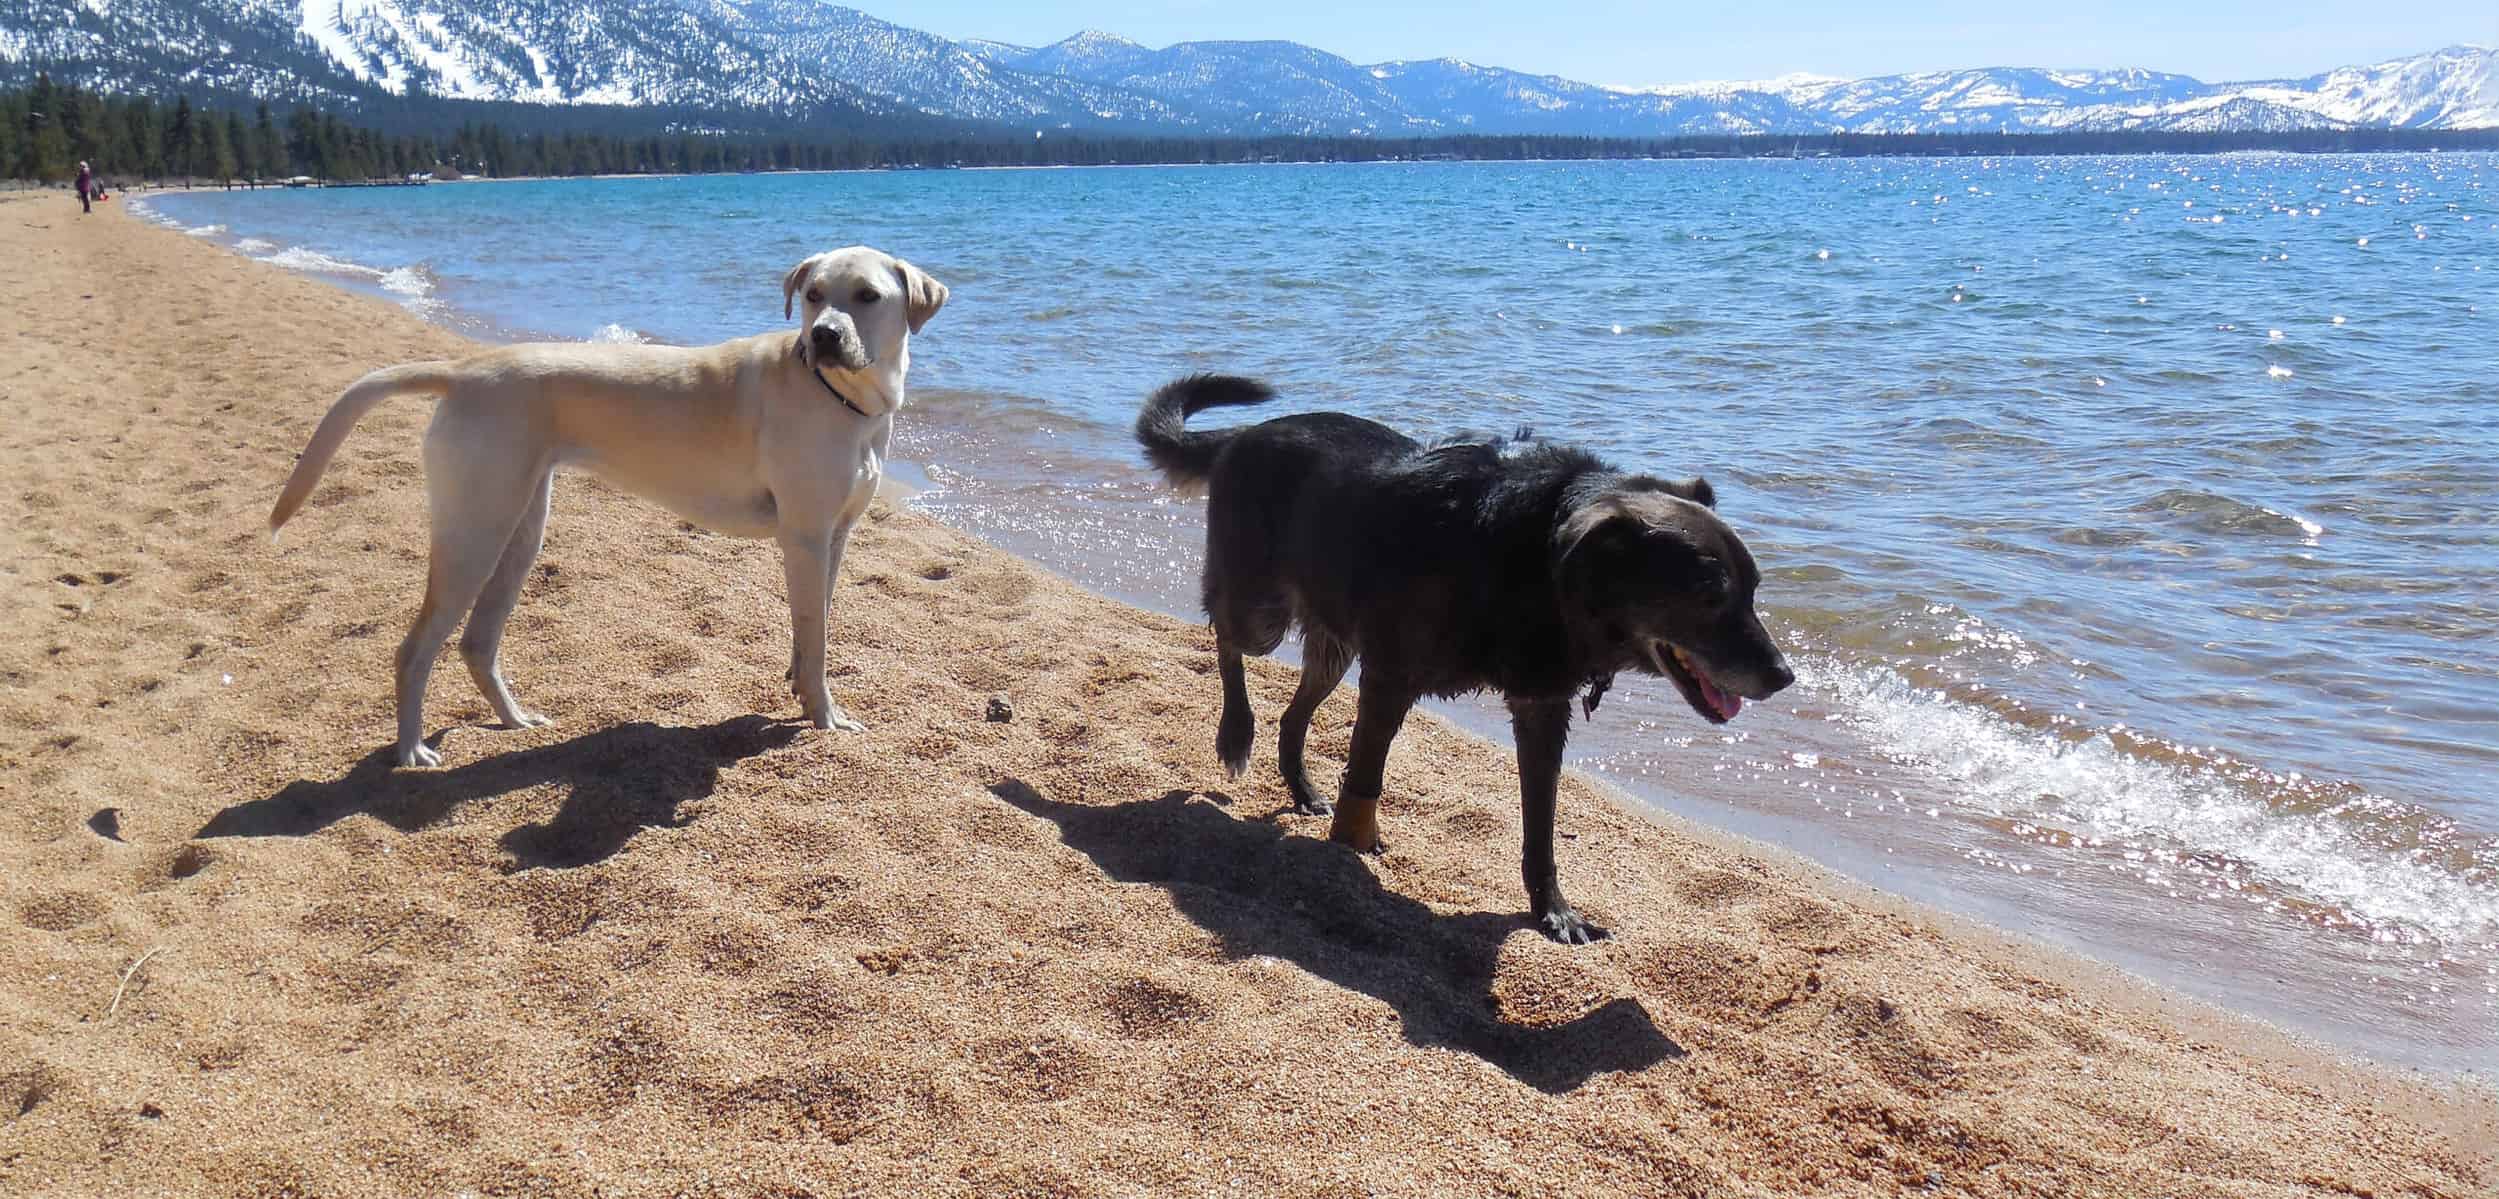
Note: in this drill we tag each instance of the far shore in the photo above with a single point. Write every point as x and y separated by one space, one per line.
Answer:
679 943
152 185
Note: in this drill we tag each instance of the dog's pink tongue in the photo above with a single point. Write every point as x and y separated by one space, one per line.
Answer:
1724 704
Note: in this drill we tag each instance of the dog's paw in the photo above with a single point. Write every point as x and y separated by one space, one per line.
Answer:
1357 840
420 756
1313 805
1564 924
833 717
1233 736
523 718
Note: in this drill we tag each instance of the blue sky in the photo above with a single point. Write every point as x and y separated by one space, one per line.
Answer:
1626 42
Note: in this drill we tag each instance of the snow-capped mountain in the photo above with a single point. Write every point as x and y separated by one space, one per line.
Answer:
804 62
924 72
2454 88
643 53
1267 87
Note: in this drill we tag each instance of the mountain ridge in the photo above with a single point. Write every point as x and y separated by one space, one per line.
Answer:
799 62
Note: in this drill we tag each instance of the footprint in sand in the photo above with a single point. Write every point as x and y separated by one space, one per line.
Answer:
334 495
27 1089
1714 890
1143 1009
673 659
190 860
60 911
84 590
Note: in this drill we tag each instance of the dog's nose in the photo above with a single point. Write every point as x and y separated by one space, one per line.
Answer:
1780 677
825 337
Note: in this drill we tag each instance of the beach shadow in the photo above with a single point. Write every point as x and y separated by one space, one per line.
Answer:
624 779
1263 891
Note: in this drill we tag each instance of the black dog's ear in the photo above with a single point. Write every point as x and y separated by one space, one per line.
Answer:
1595 531
1695 489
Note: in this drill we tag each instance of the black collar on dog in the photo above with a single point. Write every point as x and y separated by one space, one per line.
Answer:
834 392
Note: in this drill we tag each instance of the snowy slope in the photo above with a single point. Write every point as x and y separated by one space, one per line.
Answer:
562 52
2454 88
927 73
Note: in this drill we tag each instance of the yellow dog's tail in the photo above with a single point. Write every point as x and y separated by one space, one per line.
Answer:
425 378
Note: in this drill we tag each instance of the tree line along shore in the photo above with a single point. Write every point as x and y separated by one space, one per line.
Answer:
48 128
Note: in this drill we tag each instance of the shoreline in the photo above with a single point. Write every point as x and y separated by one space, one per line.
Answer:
666 912
2235 983
151 186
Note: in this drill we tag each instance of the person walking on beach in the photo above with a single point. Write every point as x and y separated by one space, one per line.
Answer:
86 188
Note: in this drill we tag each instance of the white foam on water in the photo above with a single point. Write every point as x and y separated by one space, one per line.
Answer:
612 333
147 212
408 281
205 230
2104 795
254 245
413 285
2278 371
297 258
2309 530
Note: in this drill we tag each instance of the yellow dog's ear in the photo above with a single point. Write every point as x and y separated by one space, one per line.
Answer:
922 294
790 282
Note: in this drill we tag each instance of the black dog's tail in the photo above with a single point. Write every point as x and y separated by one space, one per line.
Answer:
1187 458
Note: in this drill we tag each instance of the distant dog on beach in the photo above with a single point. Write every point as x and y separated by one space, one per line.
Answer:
1531 569
782 435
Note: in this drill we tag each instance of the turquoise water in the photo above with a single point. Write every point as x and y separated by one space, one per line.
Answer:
2135 521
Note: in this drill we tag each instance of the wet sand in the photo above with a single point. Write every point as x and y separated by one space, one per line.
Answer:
680 944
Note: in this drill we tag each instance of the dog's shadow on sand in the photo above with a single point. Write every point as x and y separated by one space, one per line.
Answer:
624 779
1263 891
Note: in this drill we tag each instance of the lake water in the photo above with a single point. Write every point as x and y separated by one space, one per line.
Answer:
2134 523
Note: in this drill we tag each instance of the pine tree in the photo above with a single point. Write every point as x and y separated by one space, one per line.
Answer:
268 156
49 160
221 136
12 132
180 140
303 142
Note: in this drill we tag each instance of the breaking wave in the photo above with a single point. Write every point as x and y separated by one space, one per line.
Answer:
2329 853
612 333
413 286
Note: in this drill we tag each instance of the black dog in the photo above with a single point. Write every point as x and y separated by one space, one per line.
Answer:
1531 569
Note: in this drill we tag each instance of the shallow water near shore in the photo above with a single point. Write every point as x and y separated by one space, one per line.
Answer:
2132 521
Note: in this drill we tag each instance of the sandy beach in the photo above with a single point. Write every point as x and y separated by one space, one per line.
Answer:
680 944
